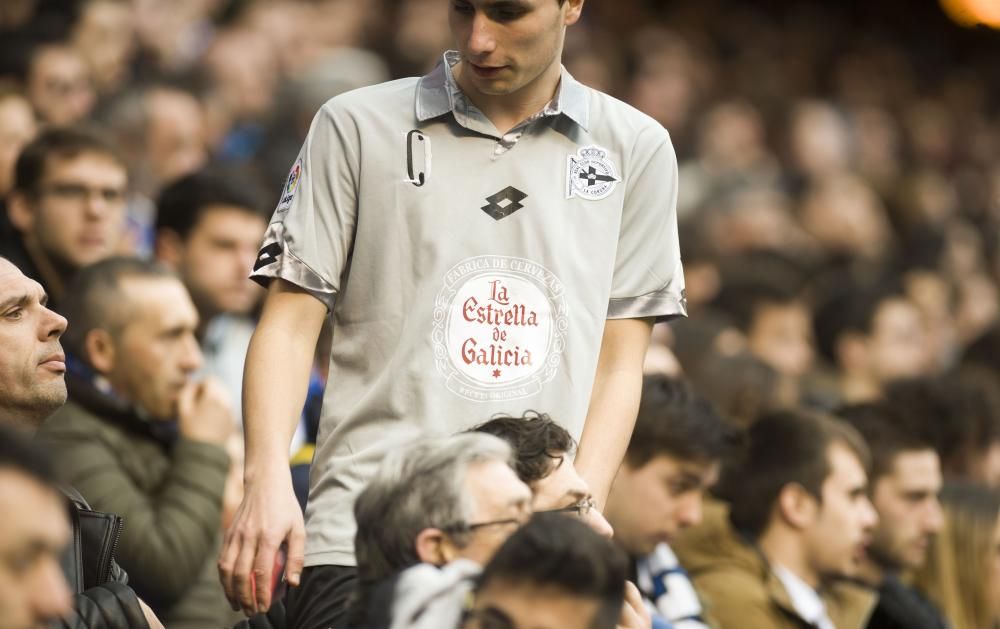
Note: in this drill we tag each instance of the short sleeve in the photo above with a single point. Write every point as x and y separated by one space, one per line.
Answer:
309 238
648 278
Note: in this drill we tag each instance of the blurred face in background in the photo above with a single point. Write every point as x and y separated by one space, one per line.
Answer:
59 86
17 128
782 336
176 136
897 344
909 510
105 37
217 257
77 215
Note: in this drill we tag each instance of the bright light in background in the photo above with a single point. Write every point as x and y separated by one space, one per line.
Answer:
971 13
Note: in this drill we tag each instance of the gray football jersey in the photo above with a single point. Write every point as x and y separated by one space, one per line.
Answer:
467 272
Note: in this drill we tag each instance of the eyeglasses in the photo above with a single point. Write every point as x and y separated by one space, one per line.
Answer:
78 193
463 527
581 509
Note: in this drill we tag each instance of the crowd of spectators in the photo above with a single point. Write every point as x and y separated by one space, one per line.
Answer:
818 443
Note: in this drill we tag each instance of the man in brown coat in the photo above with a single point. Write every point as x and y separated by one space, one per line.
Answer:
799 521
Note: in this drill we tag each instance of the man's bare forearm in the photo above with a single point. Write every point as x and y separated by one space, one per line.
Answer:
614 403
276 376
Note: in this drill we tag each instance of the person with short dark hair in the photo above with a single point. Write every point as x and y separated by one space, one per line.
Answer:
905 482
141 437
673 458
553 573
800 520
34 534
543 460
67 207
873 334
208 227
32 387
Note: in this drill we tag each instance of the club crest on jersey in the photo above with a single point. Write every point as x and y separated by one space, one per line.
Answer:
291 184
590 174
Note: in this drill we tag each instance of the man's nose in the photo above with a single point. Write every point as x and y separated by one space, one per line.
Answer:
53 325
481 38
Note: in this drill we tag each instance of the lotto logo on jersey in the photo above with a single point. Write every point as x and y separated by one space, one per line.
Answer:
499 328
590 174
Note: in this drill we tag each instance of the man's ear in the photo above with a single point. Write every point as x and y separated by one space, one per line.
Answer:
19 209
99 348
434 547
169 248
573 10
797 506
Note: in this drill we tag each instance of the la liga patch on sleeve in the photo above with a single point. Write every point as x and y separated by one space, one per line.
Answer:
291 185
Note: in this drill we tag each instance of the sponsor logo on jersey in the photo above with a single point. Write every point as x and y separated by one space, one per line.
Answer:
291 185
499 328
590 174
267 255
504 203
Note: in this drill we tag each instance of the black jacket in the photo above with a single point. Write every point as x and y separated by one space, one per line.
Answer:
102 598
902 607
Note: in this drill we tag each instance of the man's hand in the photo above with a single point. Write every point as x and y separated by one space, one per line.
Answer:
151 619
634 612
204 412
268 516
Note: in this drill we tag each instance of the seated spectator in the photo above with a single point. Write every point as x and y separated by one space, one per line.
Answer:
672 458
961 575
67 207
743 387
434 502
905 482
873 334
208 229
142 439
32 387
59 86
553 573
961 413
17 128
800 520
34 534
543 460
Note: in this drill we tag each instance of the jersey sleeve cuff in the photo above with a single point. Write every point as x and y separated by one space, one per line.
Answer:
276 261
662 305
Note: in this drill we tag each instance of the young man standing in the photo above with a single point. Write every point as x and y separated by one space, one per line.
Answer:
672 459
473 233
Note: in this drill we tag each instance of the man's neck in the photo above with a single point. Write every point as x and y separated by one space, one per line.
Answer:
786 550
871 573
856 389
506 111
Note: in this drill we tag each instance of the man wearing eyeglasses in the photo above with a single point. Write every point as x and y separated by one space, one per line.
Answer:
67 207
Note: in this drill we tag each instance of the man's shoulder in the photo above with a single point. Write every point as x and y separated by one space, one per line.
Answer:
377 97
609 114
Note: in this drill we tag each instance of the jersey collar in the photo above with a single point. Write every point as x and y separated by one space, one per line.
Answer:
438 93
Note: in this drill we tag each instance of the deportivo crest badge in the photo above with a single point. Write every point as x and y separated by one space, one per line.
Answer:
590 174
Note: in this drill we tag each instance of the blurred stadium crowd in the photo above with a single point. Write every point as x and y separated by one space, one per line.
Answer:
839 220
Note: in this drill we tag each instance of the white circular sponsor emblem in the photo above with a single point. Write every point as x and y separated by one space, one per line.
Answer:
499 328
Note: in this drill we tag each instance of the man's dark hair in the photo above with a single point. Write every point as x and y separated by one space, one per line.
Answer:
94 299
183 202
753 281
960 411
675 421
783 448
21 455
553 551
888 433
851 307
537 441
58 143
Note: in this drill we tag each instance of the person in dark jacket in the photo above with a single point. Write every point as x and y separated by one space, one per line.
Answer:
33 590
143 438
906 480
32 387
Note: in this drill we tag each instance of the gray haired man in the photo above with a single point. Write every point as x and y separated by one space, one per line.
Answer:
435 502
